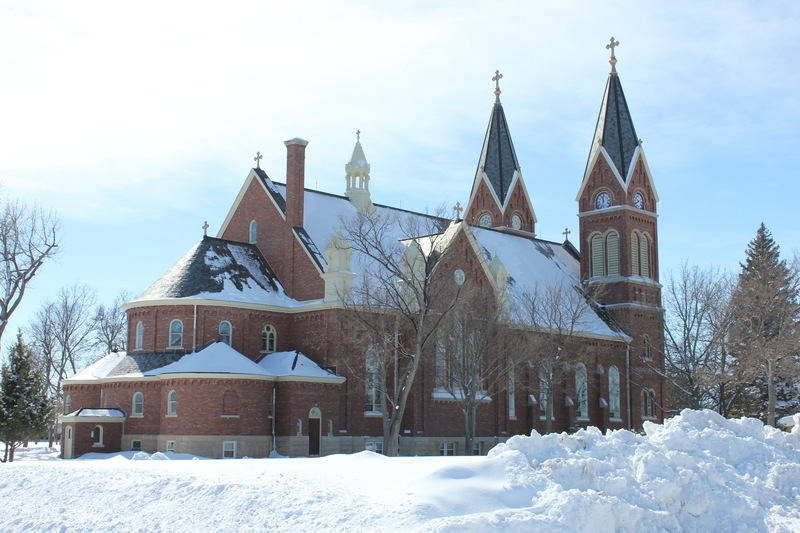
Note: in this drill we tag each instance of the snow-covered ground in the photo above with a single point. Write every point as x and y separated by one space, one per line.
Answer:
698 472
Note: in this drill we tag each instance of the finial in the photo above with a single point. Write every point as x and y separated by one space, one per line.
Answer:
496 79
610 46
258 159
566 233
458 209
358 135
205 228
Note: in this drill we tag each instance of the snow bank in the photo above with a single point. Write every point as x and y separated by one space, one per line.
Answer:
697 472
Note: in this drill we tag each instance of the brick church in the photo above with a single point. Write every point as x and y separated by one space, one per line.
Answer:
240 350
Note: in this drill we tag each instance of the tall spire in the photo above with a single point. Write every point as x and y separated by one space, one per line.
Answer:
614 131
498 159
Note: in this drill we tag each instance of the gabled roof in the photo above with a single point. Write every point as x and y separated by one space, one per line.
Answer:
294 364
614 130
218 269
498 160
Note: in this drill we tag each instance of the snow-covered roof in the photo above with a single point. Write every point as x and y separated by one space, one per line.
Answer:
218 358
218 269
96 413
102 367
532 263
294 364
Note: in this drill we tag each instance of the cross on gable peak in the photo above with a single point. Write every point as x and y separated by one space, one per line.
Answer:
258 159
205 228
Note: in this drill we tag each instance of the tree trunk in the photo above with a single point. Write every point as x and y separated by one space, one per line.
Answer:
770 393
469 425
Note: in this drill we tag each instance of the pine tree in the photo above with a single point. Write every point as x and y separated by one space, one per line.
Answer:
25 409
766 311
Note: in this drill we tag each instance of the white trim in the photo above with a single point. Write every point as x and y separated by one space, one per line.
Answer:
203 375
301 307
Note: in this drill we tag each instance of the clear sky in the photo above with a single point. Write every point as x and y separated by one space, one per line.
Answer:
137 122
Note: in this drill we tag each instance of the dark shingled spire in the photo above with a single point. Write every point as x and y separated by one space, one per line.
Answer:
615 131
498 158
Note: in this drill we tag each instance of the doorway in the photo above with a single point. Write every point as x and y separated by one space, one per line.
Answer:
314 431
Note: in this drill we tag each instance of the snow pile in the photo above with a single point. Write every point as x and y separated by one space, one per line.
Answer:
697 472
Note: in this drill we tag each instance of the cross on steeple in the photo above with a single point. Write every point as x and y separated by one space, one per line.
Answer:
258 159
358 135
496 79
610 46
458 209
566 233
205 228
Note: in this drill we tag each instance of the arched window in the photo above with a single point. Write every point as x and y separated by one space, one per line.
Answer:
442 378
545 379
646 349
68 404
225 332
253 233
137 405
640 254
613 393
648 403
374 381
139 340
175 334
268 339
97 436
230 403
582 391
598 255
612 254
512 393
172 403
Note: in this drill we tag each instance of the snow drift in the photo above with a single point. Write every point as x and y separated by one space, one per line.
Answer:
697 472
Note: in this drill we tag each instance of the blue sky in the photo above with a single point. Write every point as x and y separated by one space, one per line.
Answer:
138 122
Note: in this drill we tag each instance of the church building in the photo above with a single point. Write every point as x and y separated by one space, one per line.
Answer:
242 349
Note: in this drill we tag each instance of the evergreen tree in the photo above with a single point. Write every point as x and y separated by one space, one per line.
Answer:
765 319
25 409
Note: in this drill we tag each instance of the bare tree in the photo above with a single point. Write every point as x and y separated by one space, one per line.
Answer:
110 324
61 332
697 319
399 304
472 358
558 313
28 237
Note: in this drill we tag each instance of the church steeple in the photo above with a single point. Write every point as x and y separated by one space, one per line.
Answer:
498 197
357 177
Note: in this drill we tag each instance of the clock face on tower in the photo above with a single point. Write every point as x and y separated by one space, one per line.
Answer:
638 201
602 200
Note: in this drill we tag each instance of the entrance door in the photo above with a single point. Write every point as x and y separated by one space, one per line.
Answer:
68 443
314 431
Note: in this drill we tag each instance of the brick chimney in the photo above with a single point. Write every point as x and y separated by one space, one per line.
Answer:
295 180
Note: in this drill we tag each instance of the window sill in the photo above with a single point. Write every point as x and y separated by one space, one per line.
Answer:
582 419
649 418
229 416
171 416
137 416
512 417
98 445
373 414
615 419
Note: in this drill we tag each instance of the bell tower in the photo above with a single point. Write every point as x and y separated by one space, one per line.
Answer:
617 214
499 198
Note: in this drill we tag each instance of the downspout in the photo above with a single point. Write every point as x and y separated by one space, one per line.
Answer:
194 329
274 444
628 383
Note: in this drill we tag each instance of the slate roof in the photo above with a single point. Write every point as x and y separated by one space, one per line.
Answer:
218 269
498 158
614 130
276 195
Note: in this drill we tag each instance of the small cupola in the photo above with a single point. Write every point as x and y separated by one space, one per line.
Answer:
357 177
